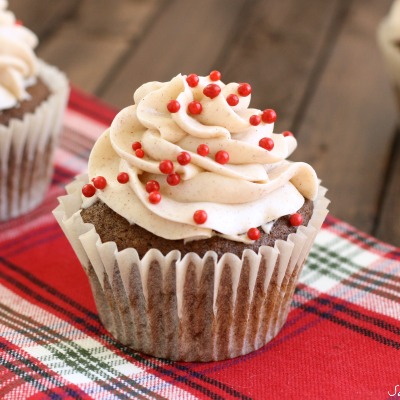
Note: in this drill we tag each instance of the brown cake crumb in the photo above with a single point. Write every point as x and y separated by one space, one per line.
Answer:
39 92
112 227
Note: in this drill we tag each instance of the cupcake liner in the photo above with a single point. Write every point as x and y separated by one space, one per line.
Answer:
27 148
391 54
190 308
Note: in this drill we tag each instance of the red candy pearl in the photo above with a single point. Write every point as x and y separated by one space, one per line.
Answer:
99 182
212 90
253 234
88 190
244 89
195 107
192 80
152 186
215 75
266 143
200 216
287 133
123 177
222 157
136 146
255 120
173 106
173 179
203 150
154 197
296 219
183 158
139 153
269 116
232 100
166 167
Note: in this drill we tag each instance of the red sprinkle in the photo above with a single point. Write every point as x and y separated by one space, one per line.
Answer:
222 157
18 22
166 167
139 153
195 107
192 80
203 149
173 179
136 146
154 197
269 116
296 219
212 90
184 158
232 100
244 89
253 234
215 75
88 190
99 182
200 216
287 133
123 177
266 143
255 120
152 186
173 106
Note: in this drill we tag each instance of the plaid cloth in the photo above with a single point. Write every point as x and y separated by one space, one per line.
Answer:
341 340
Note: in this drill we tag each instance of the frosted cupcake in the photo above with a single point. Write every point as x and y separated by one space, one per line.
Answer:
389 41
191 224
33 96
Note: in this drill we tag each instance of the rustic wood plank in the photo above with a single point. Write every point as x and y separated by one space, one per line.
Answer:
88 46
388 227
188 36
42 16
347 130
277 50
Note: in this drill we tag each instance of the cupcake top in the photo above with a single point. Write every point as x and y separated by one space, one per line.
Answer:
190 160
18 62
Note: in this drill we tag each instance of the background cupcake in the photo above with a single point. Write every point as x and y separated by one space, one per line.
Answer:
194 227
33 96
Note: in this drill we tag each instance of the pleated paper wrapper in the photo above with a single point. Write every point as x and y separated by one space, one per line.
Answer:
190 308
27 148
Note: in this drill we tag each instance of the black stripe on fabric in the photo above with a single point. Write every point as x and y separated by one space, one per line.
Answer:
35 368
95 330
346 324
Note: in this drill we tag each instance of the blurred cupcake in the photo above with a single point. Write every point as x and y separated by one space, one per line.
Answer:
33 96
389 41
191 225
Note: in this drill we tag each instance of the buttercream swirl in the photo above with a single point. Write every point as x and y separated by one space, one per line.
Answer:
393 22
255 187
18 62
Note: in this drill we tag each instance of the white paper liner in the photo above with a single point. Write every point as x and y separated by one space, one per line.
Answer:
190 308
27 148
391 53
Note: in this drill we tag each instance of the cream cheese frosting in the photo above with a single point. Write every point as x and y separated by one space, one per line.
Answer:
18 62
255 187
393 22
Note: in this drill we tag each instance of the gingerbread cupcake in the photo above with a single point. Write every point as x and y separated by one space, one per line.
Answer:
191 224
33 96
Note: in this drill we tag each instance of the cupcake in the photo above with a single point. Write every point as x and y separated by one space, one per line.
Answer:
389 41
191 224
33 96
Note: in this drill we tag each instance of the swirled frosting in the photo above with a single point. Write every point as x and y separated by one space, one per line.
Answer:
255 187
18 62
393 21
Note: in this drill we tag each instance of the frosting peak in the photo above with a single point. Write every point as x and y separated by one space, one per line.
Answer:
248 187
18 62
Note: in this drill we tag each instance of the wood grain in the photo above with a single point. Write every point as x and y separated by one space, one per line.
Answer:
187 37
347 130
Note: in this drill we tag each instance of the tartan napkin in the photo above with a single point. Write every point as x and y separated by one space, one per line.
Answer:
341 340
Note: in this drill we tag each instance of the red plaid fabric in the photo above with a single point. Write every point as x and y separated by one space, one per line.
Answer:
341 340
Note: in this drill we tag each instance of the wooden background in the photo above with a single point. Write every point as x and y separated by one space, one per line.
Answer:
316 62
